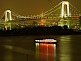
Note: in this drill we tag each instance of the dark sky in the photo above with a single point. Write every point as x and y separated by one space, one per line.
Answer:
31 7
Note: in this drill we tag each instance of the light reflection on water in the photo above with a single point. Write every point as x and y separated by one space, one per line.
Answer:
22 48
8 54
65 38
65 49
46 52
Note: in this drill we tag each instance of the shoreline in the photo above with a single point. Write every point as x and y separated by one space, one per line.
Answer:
55 30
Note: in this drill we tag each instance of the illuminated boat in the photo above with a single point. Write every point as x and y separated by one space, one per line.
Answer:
47 41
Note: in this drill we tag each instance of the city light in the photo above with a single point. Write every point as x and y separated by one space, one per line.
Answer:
65 17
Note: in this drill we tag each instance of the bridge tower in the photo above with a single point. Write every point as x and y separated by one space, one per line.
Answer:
63 12
8 15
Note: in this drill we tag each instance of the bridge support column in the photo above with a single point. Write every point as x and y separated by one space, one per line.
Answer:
6 15
63 13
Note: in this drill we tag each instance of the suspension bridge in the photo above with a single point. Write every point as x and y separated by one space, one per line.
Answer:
62 14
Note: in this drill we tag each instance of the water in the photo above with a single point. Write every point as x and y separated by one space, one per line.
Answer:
23 48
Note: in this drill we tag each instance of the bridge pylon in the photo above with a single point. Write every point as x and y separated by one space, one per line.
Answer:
8 15
65 13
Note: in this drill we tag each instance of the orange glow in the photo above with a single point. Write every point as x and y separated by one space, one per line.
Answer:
42 22
47 52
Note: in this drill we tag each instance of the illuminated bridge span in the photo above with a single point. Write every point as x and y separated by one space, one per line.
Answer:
68 13
65 8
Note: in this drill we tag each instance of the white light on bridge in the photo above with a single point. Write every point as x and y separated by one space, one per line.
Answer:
6 17
62 12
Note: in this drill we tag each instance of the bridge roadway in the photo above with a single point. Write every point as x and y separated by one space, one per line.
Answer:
38 20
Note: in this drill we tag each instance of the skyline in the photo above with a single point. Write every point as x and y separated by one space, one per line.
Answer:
31 7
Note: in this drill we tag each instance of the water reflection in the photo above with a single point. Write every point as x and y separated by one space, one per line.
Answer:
45 52
65 38
64 49
8 53
14 53
14 49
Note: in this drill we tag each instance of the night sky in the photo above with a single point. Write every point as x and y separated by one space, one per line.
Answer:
31 7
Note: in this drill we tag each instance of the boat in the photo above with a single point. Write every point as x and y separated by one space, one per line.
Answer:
47 41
